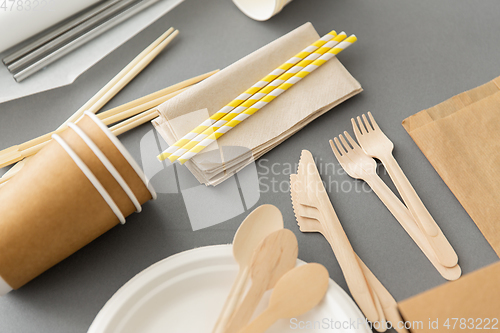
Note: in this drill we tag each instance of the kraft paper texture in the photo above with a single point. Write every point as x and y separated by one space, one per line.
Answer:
461 139
50 209
308 99
121 164
475 296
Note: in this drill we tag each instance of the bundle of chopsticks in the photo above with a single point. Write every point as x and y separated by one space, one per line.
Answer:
123 118
257 96
66 37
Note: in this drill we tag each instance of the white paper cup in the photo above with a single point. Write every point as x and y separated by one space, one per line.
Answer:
261 10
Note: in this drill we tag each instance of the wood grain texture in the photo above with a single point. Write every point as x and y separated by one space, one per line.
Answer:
275 256
311 193
377 145
260 223
296 293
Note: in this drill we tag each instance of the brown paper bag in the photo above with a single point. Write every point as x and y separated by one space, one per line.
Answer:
461 139
450 307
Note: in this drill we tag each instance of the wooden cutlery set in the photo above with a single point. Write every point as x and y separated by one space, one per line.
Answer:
358 162
315 213
267 254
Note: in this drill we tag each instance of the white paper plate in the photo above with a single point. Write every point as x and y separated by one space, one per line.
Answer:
185 292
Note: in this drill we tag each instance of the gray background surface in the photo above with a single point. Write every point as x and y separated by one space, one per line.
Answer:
410 56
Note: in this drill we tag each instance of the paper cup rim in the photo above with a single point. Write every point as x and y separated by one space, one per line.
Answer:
124 152
260 13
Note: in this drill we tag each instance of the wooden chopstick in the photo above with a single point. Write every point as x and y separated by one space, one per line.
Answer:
130 75
23 152
123 77
11 155
95 103
12 171
138 113
15 153
135 121
35 145
111 119
159 93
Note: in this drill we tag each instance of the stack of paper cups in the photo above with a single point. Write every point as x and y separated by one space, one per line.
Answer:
261 10
83 183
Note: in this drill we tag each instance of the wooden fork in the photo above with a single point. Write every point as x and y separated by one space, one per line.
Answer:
377 145
359 165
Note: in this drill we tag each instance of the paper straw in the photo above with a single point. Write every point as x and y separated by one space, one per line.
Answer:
267 99
247 94
134 122
255 98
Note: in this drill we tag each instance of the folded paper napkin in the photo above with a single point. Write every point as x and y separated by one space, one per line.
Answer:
310 98
468 304
461 139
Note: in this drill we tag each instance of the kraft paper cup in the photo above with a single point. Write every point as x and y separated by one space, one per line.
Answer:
261 10
64 198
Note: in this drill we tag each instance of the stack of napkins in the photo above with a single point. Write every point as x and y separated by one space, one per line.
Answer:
319 92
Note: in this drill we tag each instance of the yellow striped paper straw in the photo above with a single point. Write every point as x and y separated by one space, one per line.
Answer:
257 96
247 94
268 98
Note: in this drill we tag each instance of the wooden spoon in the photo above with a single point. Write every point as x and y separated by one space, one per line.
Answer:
296 293
275 256
263 221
